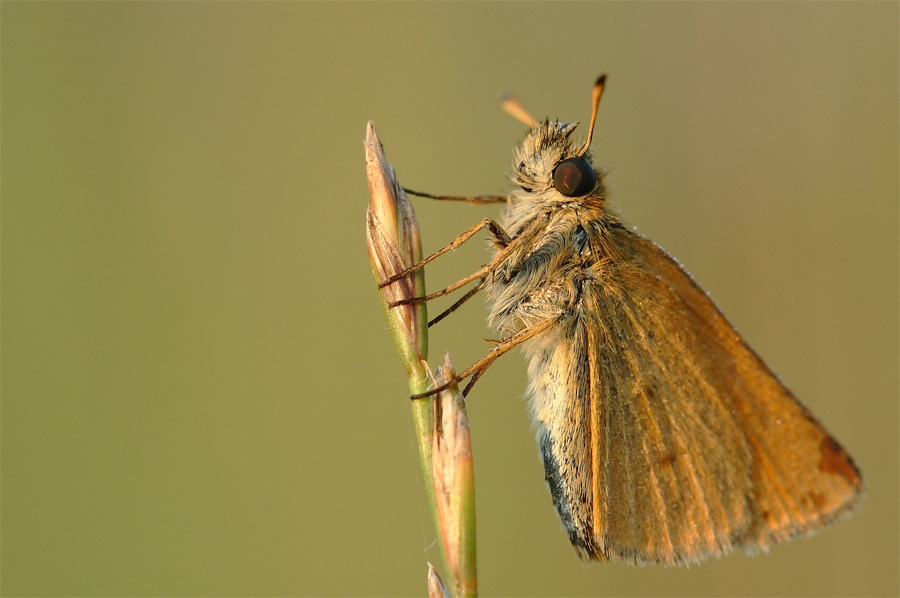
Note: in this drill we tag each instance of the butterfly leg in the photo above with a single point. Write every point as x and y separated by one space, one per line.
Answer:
523 239
480 366
458 304
481 199
480 273
501 239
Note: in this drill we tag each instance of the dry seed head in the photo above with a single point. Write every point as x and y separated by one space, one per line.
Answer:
436 587
394 244
454 478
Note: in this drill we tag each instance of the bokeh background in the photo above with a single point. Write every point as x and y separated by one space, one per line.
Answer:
199 395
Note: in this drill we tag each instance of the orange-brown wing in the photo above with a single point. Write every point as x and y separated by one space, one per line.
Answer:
695 445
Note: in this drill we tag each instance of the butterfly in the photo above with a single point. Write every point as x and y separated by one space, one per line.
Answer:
665 438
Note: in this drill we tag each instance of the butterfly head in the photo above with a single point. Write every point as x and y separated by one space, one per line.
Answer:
548 165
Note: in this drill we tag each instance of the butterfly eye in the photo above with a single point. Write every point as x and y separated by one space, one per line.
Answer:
574 177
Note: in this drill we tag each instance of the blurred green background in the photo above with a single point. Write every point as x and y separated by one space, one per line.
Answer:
199 395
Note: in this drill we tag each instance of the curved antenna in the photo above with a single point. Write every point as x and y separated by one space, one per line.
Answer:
595 104
514 107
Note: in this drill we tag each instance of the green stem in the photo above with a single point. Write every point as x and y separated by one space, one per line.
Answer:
394 244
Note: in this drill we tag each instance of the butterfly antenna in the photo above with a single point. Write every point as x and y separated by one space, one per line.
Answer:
514 107
595 104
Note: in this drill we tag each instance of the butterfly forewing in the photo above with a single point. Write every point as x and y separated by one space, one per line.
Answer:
694 446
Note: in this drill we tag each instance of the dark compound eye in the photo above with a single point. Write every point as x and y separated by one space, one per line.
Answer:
574 177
